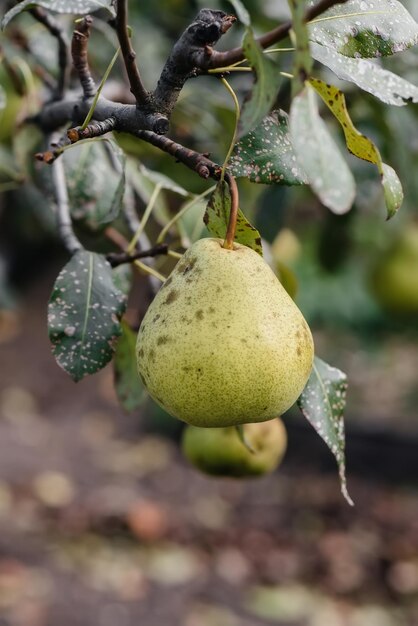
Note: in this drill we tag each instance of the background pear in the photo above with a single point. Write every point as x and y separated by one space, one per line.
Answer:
394 281
223 343
220 451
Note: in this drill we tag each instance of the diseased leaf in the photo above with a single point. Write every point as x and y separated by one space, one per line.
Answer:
319 156
367 75
128 385
217 216
263 94
76 7
83 315
302 64
266 155
322 402
361 146
365 28
95 181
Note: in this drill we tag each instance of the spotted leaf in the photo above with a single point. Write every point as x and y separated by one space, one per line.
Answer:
316 152
266 155
385 85
361 146
216 219
75 7
365 28
129 389
83 315
322 402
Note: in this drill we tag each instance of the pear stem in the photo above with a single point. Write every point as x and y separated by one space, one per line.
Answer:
232 224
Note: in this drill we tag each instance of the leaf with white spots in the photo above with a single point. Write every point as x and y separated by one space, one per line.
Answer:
318 155
95 181
264 92
216 219
83 315
75 7
129 388
360 145
266 155
385 85
123 278
322 402
365 28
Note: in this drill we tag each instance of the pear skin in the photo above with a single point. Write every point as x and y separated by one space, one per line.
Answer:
222 343
220 451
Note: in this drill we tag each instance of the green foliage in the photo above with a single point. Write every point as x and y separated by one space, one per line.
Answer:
129 390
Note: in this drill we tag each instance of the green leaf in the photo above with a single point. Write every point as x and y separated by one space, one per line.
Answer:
319 156
302 64
361 146
83 315
241 11
3 100
322 402
266 155
161 179
123 278
367 75
76 7
365 28
128 386
216 219
264 92
95 181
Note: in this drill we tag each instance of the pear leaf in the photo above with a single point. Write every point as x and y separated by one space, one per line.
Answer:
361 146
322 402
318 155
123 278
164 181
384 85
302 64
365 28
264 92
95 181
76 7
265 155
83 315
128 386
216 219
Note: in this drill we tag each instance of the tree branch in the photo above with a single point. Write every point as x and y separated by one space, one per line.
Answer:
224 59
64 223
119 258
64 58
137 88
79 47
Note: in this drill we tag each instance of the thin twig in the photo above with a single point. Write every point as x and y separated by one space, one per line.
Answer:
79 46
119 258
64 57
221 59
64 224
129 55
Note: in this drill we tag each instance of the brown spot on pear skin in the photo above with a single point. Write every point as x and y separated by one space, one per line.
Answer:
211 309
151 355
156 318
162 340
140 353
172 296
298 351
199 314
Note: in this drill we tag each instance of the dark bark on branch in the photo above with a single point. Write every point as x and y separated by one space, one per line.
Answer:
64 57
224 59
120 258
79 47
64 223
129 56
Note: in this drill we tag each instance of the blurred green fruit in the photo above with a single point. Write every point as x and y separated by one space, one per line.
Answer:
394 281
220 451
286 247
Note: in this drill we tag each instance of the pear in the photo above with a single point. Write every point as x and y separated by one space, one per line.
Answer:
222 343
220 451
394 280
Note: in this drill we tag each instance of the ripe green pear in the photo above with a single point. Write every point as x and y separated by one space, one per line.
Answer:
220 451
222 343
394 281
